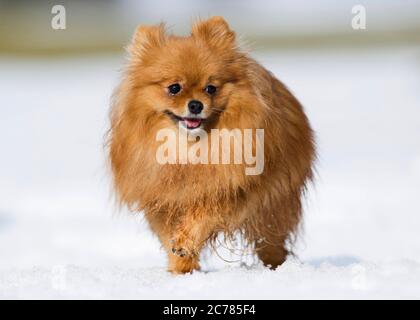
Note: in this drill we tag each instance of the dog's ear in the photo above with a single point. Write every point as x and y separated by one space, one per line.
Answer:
146 38
215 31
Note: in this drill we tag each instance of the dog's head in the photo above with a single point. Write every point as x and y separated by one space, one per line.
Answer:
187 79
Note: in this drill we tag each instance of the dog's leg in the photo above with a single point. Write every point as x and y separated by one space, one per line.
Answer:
178 262
183 236
270 235
271 254
187 241
183 253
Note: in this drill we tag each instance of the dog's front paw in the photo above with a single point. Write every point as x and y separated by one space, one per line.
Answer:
181 252
182 247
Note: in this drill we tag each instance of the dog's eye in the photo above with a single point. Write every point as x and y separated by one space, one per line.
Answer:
210 89
174 88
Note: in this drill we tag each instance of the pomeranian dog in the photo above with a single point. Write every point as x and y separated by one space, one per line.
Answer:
202 82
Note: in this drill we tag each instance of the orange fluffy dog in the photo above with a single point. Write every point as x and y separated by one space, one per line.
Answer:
204 82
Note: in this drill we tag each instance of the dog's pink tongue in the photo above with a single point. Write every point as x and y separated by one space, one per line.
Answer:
192 123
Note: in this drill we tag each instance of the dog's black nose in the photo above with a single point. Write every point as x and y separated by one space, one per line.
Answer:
195 106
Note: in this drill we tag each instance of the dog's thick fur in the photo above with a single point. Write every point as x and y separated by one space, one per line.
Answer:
188 205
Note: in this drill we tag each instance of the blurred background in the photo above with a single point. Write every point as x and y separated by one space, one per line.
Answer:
360 89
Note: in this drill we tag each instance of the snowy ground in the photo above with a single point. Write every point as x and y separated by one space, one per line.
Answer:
61 237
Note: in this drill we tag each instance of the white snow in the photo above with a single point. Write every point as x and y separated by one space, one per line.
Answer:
62 237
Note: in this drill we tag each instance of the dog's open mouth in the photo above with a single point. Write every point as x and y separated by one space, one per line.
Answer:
189 123
192 123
